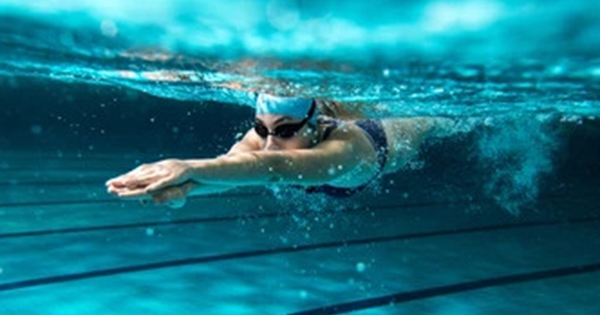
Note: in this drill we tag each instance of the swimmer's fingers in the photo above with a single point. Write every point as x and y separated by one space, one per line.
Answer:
162 183
154 176
120 181
132 194
125 192
140 176
175 196
124 181
134 182
114 189
115 182
168 196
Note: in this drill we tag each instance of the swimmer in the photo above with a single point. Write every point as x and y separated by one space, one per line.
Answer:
311 143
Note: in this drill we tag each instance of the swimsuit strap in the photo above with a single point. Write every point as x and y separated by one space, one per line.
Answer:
374 130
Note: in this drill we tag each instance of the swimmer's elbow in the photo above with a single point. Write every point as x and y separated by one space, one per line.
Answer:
278 166
274 166
283 167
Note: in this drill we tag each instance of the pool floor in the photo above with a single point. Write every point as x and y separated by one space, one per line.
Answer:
67 247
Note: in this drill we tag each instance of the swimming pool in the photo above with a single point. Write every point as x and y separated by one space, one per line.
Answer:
502 216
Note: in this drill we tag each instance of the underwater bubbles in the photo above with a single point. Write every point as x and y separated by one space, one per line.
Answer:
515 154
36 129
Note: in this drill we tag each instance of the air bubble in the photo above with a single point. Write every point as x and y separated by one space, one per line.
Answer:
36 129
361 267
331 171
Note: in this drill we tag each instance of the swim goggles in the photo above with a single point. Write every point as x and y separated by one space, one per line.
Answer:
284 131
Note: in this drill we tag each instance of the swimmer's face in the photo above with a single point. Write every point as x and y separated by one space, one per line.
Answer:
301 139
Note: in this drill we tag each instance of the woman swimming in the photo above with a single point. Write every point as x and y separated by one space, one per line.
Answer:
305 142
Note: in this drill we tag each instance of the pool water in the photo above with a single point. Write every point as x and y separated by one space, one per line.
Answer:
500 216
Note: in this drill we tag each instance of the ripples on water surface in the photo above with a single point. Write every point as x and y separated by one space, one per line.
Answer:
460 58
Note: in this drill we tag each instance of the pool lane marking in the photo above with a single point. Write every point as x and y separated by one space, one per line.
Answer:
138 225
141 225
243 195
74 182
201 220
102 201
9 286
409 296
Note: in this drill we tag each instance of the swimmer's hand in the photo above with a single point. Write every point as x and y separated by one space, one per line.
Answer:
174 196
147 179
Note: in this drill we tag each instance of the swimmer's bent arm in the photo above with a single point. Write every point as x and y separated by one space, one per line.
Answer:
246 144
191 188
300 167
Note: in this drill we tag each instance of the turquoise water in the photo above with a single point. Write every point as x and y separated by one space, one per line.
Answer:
501 216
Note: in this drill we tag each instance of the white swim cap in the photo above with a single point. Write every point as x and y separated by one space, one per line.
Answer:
294 107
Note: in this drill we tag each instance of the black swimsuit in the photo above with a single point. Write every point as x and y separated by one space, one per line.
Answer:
374 130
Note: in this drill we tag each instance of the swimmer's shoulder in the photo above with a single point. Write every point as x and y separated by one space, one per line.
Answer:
345 130
248 143
339 110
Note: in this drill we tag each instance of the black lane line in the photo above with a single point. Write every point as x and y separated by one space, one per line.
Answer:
68 157
203 220
234 195
100 165
263 252
167 223
20 184
55 168
138 225
244 194
409 296
191 221
58 203
112 200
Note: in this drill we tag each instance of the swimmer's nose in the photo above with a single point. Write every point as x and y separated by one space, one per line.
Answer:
271 144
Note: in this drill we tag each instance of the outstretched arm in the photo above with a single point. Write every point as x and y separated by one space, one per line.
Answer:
301 167
141 178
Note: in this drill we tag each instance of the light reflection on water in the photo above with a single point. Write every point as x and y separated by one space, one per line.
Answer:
461 58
